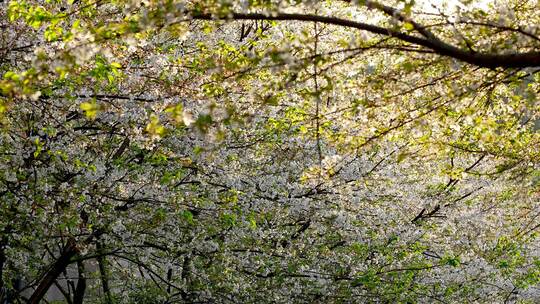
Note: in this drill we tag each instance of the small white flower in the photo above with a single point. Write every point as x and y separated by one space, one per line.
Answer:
187 116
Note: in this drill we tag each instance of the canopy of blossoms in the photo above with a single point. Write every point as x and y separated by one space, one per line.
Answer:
263 151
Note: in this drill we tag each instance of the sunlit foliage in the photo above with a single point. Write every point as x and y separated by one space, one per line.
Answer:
269 151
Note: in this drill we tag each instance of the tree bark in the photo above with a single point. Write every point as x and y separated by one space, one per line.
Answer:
78 297
102 263
69 251
486 60
2 262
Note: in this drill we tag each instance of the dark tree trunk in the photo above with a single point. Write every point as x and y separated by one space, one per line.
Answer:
102 263
169 278
69 251
2 262
59 266
78 297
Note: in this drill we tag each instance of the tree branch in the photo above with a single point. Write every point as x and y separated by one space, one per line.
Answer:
486 60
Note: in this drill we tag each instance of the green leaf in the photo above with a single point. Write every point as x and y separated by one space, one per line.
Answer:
408 26
187 216
155 128
401 157
90 109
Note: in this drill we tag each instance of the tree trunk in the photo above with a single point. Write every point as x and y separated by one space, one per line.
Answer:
102 263
2 262
69 251
78 297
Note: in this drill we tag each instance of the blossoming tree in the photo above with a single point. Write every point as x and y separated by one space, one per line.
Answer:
269 151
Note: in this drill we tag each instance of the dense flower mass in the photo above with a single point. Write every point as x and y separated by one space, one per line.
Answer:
220 151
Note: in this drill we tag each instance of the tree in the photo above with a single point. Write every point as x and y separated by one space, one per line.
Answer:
269 151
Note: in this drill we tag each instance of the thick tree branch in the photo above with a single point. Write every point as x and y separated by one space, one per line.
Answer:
70 250
486 60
